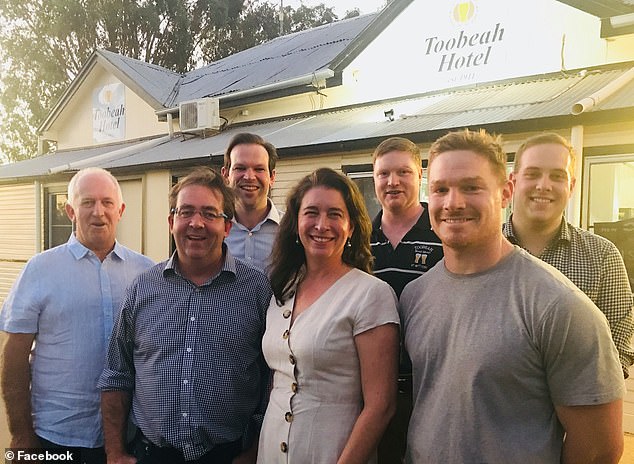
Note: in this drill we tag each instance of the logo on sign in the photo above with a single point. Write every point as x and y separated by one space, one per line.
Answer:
463 12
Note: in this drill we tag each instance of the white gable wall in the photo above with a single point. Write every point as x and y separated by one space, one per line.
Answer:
74 126
437 45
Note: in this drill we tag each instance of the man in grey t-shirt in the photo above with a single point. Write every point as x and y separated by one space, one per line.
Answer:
509 357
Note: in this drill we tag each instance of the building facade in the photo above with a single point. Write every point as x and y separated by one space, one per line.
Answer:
328 96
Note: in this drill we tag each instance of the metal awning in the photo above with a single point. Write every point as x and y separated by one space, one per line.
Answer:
533 103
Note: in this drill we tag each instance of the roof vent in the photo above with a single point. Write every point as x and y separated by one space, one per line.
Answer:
199 115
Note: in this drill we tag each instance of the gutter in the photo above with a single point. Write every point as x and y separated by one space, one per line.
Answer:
588 103
300 80
84 163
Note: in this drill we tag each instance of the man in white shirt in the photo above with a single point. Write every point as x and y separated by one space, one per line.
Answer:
249 167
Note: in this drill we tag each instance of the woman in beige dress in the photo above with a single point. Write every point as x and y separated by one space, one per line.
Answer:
332 331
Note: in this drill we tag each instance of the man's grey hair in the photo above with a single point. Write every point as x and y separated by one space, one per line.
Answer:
72 185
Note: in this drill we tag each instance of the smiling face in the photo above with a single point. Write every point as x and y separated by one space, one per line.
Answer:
466 199
249 175
198 241
96 210
397 181
323 225
543 185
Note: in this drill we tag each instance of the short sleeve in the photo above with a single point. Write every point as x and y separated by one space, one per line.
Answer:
22 307
376 305
581 361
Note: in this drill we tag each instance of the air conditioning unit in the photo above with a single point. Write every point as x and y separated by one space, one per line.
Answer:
199 115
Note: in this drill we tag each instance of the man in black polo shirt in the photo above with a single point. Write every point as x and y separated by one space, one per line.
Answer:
404 247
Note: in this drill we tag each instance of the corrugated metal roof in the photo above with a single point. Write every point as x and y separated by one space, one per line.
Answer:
40 165
513 101
160 83
278 60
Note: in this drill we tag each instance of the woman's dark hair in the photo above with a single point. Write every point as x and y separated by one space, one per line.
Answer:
288 256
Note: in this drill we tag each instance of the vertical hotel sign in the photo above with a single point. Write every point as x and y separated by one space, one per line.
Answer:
108 113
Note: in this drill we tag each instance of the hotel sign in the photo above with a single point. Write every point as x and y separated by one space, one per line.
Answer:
439 45
108 113
465 50
470 42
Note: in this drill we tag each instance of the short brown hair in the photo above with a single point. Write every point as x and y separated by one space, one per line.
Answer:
542 139
209 178
480 142
397 144
246 138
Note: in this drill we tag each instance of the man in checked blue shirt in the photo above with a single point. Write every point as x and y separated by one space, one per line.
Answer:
185 354
65 299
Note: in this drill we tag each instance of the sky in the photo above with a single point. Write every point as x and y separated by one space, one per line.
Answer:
340 6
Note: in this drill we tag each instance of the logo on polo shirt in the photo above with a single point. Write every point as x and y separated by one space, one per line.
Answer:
421 253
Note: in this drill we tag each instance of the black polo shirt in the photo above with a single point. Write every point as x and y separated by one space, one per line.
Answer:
418 251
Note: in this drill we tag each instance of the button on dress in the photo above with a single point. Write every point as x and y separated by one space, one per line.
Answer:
316 396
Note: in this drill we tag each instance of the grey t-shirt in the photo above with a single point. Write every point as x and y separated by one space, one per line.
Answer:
493 352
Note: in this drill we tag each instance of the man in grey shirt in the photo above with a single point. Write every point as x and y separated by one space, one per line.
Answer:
543 178
511 362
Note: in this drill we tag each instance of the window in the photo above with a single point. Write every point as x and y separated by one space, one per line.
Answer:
608 205
365 182
57 225
610 189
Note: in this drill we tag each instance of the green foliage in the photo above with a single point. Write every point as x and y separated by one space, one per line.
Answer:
259 22
44 44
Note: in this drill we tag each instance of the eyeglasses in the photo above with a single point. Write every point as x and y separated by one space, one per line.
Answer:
206 214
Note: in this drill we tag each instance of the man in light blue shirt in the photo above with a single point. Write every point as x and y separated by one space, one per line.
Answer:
65 300
249 167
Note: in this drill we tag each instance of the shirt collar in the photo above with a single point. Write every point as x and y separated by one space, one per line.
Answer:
229 264
422 223
562 236
273 215
79 250
376 222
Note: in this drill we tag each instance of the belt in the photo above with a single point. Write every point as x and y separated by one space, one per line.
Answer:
405 384
142 447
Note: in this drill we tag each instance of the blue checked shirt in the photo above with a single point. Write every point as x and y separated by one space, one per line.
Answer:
191 356
69 299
